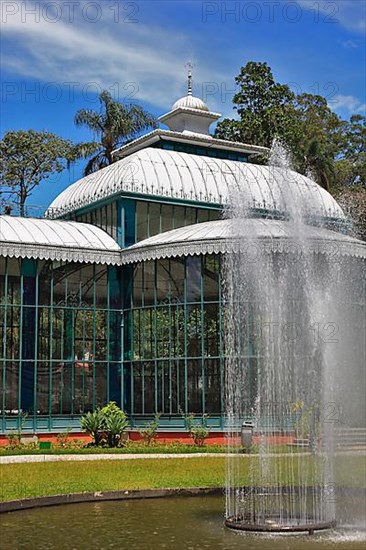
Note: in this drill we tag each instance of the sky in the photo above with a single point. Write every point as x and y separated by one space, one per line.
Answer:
56 56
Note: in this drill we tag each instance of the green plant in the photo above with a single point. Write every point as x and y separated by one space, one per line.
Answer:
150 431
306 425
93 424
13 440
62 437
15 437
198 432
115 422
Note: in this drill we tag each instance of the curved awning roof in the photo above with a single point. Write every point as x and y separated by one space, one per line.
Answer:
56 240
223 236
161 173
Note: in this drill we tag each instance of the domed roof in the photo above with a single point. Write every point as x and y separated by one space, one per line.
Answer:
190 102
181 176
56 240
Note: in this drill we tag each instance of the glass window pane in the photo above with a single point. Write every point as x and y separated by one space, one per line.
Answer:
212 387
163 281
166 217
194 386
149 283
211 269
202 215
154 218
190 216
193 278
179 216
141 220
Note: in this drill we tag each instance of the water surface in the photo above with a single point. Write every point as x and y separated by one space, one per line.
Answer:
175 523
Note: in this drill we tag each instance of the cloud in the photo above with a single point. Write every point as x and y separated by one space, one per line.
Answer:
149 58
349 44
350 14
347 102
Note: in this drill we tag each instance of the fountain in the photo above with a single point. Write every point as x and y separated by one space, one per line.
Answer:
289 307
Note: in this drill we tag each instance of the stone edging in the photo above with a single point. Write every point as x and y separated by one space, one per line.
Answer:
98 496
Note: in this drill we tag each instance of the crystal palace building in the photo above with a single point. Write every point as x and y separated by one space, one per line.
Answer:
117 294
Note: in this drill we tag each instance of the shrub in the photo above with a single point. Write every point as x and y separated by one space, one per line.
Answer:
62 437
115 422
105 425
151 429
15 437
93 423
198 432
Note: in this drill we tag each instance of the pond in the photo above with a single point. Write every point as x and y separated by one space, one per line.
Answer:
174 523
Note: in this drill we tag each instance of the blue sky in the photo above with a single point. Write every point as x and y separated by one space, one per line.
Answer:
56 55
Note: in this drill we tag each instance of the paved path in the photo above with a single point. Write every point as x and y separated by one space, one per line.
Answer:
18 459
100 456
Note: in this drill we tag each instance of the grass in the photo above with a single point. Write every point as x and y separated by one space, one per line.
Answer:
134 447
50 478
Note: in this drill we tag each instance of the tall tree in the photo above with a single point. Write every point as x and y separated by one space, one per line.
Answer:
350 167
28 157
113 125
264 106
350 174
319 138
312 132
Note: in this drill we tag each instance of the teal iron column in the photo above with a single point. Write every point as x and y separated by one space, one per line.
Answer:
129 206
115 359
28 335
127 337
126 222
120 222
68 374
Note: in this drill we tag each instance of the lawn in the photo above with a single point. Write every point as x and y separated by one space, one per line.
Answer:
134 447
51 478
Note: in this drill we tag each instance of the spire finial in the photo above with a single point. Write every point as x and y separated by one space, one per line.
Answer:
189 66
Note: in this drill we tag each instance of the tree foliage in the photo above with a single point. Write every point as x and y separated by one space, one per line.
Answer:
28 157
350 165
263 106
112 126
323 145
330 150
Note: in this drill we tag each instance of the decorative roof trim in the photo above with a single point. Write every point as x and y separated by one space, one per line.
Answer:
159 133
253 247
204 114
58 253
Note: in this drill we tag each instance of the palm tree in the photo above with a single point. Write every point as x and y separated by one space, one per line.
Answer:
114 125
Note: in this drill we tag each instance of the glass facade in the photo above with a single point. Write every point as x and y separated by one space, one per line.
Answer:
60 337
75 336
129 221
104 217
173 338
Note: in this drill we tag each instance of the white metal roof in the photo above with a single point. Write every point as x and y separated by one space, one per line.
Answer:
56 240
224 236
190 102
161 173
